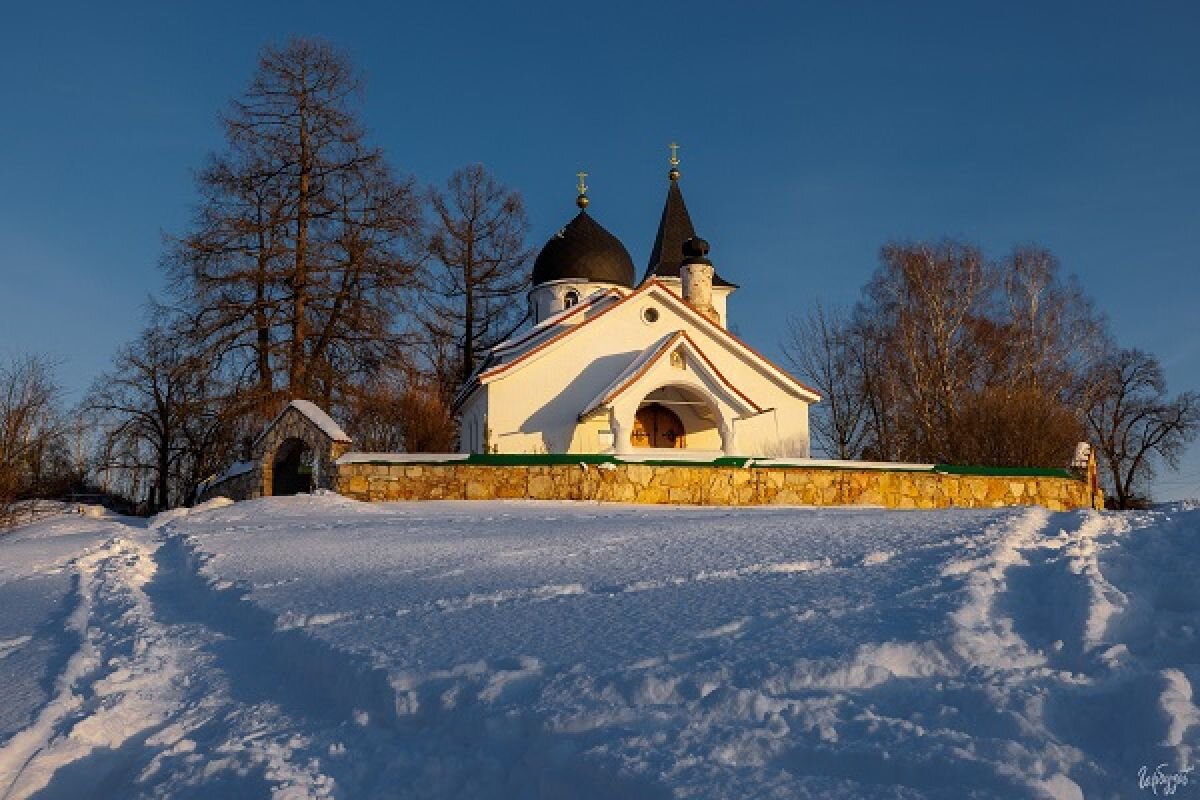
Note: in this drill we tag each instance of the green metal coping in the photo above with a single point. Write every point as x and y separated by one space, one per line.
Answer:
1013 472
537 459
551 459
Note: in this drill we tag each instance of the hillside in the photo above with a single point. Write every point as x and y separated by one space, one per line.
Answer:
318 647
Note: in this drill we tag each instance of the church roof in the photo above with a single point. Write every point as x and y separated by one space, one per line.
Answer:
548 329
647 359
583 250
316 415
500 362
674 229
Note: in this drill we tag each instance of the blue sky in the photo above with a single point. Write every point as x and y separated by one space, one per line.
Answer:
811 134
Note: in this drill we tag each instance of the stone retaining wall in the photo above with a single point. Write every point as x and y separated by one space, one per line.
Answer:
732 481
246 486
709 485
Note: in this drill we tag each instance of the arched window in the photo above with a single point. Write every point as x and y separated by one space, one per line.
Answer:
571 298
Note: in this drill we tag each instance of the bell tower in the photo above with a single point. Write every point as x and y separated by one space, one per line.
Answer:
667 257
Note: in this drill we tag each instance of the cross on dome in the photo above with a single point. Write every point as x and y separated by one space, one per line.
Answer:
582 199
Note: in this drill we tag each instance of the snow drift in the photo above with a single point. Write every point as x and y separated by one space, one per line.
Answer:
317 647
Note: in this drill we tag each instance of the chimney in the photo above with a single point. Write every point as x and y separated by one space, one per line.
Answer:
696 275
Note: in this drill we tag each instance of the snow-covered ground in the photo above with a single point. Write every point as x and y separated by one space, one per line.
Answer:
318 647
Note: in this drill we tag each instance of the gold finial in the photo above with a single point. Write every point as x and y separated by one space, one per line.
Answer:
674 161
582 199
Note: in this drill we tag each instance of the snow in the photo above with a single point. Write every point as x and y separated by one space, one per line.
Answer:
834 463
642 454
670 454
318 647
232 471
317 416
235 469
525 337
37 593
320 419
401 458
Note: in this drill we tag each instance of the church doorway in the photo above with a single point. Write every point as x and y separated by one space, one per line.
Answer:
292 470
657 426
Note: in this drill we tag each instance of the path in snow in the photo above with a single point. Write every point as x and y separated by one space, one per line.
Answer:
317 647
142 690
36 595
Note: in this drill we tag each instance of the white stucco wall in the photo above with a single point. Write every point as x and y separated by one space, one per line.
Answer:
534 407
549 298
720 302
472 424
720 297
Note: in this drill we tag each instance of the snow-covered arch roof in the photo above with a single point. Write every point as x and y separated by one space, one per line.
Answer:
314 414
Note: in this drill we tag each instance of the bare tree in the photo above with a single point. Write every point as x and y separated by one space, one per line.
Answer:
475 282
951 357
230 271
403 411
1135 423
925 302
301 245
30 430
1041 337
824 348
1047 333
164 418
1016 427
885 437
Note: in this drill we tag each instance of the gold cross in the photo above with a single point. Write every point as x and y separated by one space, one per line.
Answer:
582 184
674 154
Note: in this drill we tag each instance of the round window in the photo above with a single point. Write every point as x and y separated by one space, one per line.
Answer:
650 314
571 298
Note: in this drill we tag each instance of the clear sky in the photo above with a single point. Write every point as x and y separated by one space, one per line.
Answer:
811 134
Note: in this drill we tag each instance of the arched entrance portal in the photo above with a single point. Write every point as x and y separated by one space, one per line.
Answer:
292 470
674 416
655 425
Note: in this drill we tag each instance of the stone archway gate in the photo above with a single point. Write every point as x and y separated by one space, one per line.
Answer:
307 422
302 420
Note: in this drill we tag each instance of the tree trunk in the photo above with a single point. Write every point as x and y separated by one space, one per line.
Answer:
468 365
164 467
262 327
297 369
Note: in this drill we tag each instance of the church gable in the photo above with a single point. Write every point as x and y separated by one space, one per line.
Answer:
636 321
726 351
673 360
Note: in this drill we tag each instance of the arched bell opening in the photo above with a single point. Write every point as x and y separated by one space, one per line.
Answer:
676 417
292 471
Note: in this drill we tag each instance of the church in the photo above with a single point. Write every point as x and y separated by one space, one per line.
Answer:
613 365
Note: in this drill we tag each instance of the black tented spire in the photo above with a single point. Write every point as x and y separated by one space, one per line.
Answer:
674 229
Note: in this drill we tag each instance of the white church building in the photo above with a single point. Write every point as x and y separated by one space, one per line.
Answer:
635 369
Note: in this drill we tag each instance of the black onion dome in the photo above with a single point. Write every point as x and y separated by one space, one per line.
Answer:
584 251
